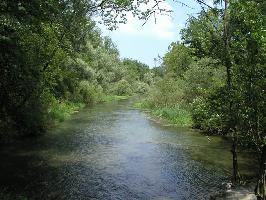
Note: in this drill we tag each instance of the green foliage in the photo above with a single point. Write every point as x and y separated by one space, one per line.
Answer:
121 88
209 114
89 93
174 115
140 87
177 60
135 69
202 78
54 60
203 34
249 52
108 98
196 72
166 92
61 110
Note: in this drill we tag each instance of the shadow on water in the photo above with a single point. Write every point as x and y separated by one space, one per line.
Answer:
113 151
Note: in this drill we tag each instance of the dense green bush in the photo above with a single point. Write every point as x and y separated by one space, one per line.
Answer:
203 77
89 93
121 87
140 87
206 116
166 92
60 110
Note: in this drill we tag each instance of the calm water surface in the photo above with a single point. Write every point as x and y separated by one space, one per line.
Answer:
114 151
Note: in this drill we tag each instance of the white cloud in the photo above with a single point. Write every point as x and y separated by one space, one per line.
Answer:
159 26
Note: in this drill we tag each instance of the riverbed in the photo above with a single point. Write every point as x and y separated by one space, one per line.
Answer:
114 151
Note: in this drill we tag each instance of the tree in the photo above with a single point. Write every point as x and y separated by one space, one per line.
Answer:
248 50
177 60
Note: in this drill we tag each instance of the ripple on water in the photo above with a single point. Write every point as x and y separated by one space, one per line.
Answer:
114 152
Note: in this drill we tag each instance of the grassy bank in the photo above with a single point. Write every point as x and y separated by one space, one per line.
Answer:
59 111
109 98
175 115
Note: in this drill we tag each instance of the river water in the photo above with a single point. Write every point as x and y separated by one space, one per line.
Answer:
113 151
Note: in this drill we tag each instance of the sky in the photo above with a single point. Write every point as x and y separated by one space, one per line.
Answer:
145 42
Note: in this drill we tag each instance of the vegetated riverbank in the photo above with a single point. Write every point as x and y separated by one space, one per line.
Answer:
174 115
63 110
60 111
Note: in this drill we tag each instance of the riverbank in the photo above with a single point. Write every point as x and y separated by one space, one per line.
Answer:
58 112
62 110
175 115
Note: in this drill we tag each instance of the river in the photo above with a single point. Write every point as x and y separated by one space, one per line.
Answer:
113 151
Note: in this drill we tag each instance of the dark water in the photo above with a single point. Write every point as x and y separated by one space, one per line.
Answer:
113 151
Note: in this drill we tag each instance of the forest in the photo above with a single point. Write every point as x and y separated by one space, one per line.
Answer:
55 61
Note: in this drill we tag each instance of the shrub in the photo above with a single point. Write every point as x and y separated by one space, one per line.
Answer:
121 87
209 114
89 93
202 77
141 88
61 110
166 92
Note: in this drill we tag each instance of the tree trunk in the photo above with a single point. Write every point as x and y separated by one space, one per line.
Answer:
231 119
236 175
260 189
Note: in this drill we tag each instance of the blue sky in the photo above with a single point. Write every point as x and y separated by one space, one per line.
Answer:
144 43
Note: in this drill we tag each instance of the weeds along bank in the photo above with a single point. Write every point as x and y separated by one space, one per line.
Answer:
61 110
180 98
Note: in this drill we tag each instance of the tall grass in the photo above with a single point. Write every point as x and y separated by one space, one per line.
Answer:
61 110
173 114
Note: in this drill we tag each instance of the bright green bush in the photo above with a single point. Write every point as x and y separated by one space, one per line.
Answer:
202 77
166 92
89 93
141 87
121 88
175 115
209 114
61 110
